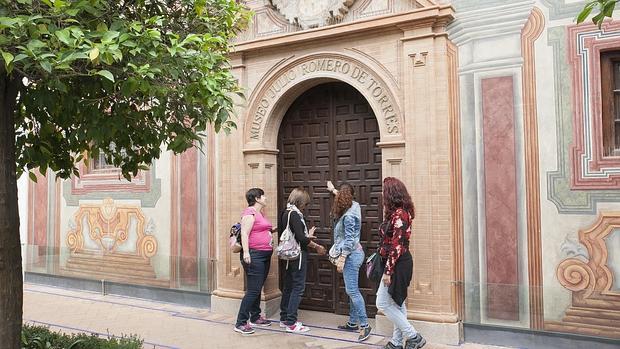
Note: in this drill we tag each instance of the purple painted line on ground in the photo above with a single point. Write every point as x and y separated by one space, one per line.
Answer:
99 334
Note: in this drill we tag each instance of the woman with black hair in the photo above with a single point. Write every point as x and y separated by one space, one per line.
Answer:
257 243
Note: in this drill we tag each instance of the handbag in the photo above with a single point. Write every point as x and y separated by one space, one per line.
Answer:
288 249
374 267
234 239
333 255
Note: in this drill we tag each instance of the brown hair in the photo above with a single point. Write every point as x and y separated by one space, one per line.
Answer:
299 197
343 200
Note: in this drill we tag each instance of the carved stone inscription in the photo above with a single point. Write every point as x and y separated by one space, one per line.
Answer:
362 80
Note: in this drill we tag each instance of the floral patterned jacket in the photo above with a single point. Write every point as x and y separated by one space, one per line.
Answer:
395 232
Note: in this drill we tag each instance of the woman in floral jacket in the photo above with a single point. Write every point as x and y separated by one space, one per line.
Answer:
395 232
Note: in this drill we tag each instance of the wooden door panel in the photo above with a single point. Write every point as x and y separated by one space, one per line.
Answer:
358 130
328 133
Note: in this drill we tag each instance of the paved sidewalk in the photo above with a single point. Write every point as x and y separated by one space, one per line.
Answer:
164 325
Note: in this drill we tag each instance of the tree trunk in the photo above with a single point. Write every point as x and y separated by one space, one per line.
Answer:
11 287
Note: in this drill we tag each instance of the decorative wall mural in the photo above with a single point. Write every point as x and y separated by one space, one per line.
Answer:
108 225
146 187
591 169
595 306
313 13
113 242
559 191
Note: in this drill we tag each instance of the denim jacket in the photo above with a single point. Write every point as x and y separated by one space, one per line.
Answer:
348 230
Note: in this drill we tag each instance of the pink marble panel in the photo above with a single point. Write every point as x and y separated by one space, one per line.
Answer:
189 217
500 197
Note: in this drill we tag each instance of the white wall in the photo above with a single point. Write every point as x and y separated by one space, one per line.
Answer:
22 201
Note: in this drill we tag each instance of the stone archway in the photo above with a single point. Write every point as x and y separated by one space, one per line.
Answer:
272 98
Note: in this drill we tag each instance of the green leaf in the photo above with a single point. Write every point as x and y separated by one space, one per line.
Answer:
154 34
73 12
94 54
598 19
64 36
106 74
33 177
608 9
19 57
102 27
584 14
47 66
8 59
43 28
6 22
35 44
109 36
43 169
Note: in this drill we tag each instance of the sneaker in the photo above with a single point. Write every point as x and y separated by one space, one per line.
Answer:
261 321
416 342
244 329
298 327
282 324
348 327
364 333
390 345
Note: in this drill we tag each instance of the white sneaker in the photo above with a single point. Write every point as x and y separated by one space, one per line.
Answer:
283 325
298 327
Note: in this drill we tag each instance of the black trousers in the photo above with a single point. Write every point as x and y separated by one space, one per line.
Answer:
293 291
256 274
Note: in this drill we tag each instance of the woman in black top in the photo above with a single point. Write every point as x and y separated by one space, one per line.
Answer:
295 271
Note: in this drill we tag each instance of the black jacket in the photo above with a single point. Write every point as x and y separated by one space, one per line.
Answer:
403 271
296 226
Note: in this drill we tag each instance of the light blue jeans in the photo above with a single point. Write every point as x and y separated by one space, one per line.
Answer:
351 272
403 330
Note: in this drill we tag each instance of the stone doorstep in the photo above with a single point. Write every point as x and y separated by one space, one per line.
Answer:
441 333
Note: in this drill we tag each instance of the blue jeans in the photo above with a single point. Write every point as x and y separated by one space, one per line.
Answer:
256 274
351 273
293 291
403 329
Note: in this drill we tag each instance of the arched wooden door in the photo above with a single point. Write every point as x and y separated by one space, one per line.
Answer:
330 132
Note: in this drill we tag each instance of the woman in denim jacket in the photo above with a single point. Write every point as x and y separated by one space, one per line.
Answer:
350 255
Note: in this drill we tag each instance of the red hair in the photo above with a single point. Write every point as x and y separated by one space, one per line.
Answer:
395 196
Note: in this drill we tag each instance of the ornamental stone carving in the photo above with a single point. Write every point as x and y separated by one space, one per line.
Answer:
313 13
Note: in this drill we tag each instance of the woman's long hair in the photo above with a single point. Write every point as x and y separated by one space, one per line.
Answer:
343 200
395 196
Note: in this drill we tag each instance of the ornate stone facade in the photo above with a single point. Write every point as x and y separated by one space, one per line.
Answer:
488 110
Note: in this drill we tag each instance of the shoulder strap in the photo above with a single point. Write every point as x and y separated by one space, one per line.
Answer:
288 222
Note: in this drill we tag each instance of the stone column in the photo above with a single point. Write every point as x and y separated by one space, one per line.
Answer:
261 167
